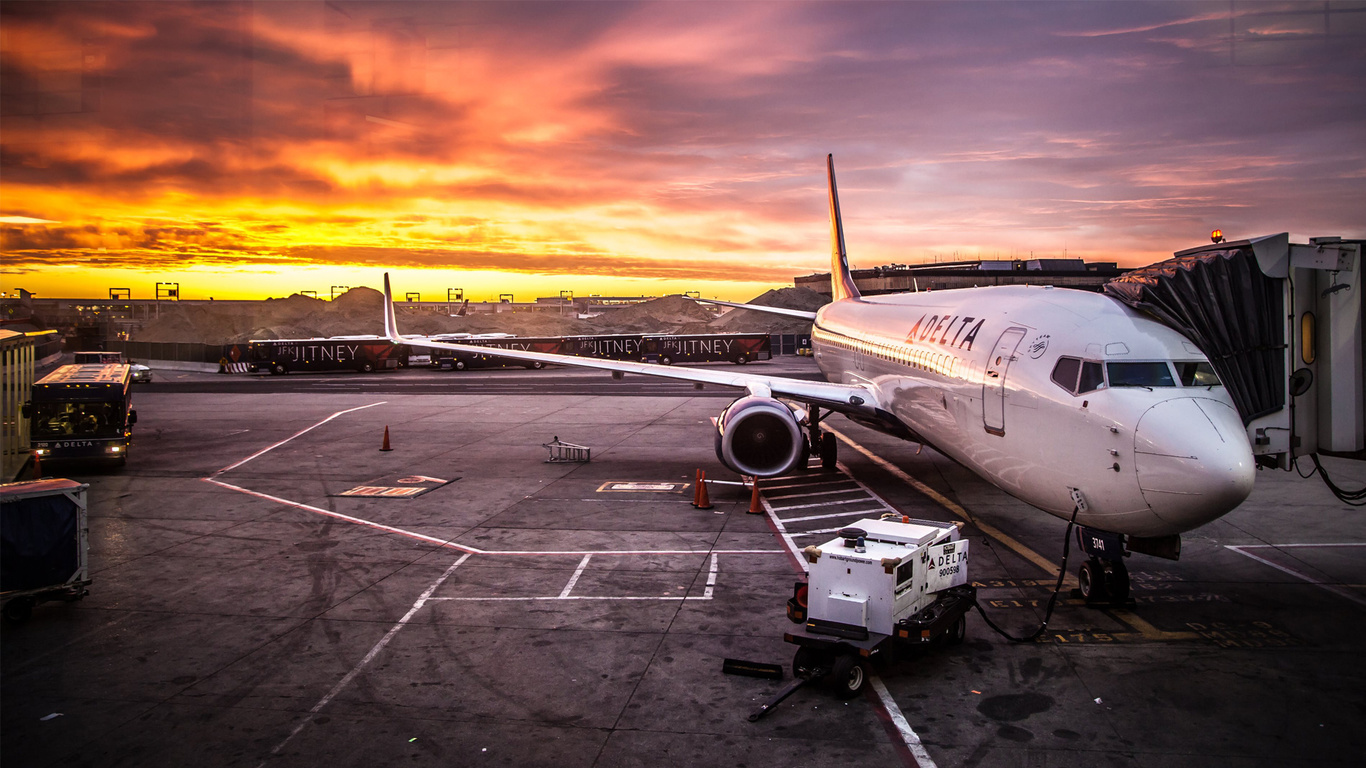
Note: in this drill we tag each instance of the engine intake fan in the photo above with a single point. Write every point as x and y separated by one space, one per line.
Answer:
759 436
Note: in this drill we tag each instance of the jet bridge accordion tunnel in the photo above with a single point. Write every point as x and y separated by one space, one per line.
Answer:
1281 323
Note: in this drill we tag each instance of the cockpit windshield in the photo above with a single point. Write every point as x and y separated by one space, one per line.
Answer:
1150 374
1197 374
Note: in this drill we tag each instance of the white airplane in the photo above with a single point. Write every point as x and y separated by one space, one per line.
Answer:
1067 400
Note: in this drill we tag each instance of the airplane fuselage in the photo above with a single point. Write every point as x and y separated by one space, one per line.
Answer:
1043 390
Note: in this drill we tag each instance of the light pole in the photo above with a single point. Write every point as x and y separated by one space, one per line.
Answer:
171 291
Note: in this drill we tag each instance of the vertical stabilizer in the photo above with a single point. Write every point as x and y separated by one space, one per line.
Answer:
841 283
390 324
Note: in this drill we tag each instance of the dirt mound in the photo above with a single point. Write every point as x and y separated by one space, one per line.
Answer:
653 316
749 321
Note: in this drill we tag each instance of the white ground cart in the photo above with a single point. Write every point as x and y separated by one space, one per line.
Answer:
877 584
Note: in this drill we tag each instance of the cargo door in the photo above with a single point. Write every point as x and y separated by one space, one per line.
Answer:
994 384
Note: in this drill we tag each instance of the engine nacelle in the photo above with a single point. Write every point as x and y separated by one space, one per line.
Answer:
759 436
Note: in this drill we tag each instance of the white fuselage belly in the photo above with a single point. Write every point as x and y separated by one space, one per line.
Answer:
971 372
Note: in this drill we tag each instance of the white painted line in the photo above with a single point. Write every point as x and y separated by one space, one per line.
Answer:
336 689
575 578
1358 599
819 531
475 550
809 485
826 517
711 578
817 493
557 597
908 735
1288 546
264 451
831 504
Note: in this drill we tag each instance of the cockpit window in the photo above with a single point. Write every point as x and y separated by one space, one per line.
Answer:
1092 378
1154 374
1078 376
1199 374
1065 373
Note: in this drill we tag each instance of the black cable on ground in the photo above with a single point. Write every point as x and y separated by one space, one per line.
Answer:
1355 498
1052 599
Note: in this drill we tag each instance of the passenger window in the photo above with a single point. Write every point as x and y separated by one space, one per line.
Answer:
1065 373
1092 378
1155 374
1197 375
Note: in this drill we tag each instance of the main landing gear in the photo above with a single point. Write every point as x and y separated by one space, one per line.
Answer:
1103 578
821 444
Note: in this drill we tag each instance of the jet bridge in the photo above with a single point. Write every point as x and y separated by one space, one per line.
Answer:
1281 323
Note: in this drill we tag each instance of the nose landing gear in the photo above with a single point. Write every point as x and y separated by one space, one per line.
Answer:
1103 579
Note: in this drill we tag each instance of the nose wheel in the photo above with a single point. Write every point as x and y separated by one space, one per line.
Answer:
1103 581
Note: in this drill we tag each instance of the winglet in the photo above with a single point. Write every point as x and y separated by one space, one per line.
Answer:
390 324
841 282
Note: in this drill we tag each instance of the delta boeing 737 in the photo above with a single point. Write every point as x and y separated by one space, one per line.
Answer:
1067 400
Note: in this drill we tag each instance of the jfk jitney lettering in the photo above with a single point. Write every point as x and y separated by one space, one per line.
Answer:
694 346
303 352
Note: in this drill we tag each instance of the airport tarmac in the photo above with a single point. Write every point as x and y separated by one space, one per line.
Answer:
246 611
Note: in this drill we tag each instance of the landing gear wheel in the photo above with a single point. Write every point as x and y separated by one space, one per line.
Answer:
18 610
1117 581
1091 579
848 675
829 450
808 663
956 633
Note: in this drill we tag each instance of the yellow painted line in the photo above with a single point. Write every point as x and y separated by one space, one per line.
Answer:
1148 631
956 510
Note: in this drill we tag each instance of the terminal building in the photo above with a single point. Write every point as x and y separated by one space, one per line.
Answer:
901 278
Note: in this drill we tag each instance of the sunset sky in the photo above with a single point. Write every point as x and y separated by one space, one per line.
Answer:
257 149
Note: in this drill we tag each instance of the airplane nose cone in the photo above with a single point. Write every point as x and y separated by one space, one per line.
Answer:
1193 460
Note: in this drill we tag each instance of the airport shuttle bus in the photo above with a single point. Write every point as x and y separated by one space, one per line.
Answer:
739 348
83 412
651 348
364 354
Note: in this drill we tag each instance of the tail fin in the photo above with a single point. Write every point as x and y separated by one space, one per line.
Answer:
390 324
464 309
841 282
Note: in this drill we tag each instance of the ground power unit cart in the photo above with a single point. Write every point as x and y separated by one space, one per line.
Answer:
878 584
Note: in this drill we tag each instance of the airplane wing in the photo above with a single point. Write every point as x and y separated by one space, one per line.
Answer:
761 308
845 398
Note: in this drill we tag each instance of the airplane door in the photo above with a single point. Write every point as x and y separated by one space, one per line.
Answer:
994 384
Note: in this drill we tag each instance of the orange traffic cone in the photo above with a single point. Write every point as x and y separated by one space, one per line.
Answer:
386 447
756 507
37 466
700 498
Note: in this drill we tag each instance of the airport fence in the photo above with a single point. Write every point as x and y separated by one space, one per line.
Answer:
179 351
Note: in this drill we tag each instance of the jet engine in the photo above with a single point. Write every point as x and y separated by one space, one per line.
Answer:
759 436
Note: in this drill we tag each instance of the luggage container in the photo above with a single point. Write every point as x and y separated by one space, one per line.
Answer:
44 544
